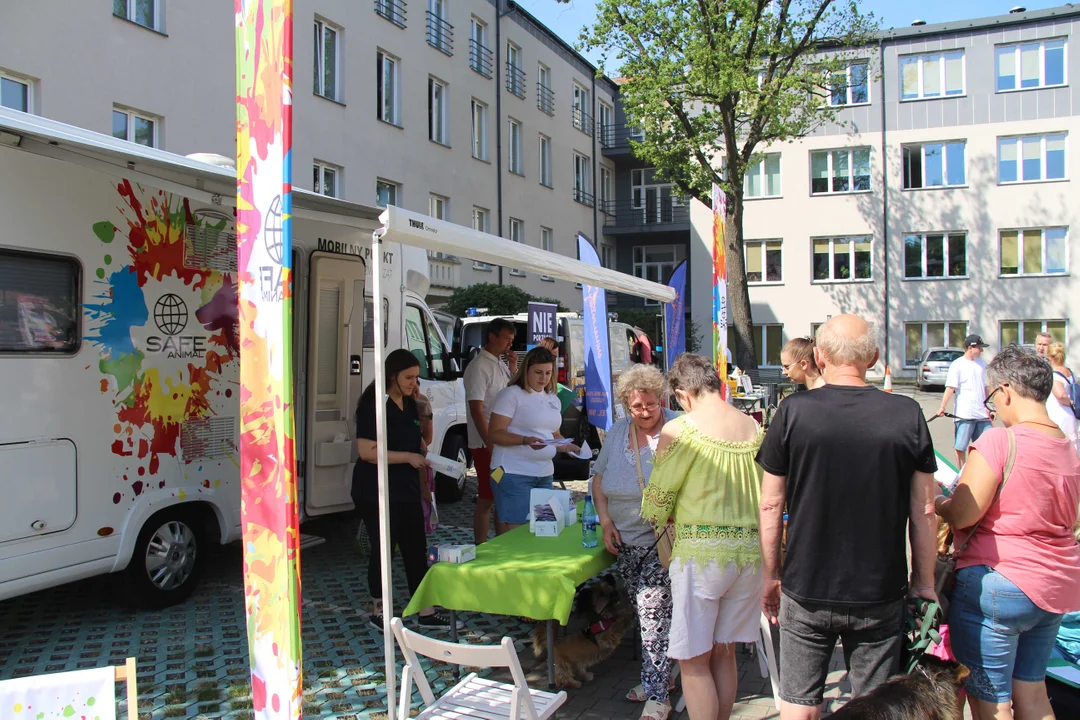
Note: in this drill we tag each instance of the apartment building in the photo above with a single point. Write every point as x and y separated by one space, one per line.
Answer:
463 109
940 203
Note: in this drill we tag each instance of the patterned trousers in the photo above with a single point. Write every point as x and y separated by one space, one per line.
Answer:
649 587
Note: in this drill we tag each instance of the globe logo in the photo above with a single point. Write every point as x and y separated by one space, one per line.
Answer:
170 314
272 230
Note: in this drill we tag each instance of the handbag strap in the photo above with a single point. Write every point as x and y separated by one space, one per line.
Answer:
631 438
1010 461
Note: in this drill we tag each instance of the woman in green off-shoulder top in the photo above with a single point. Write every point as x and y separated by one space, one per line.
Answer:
706 482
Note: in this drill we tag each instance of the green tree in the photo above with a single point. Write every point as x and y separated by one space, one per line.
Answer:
498 299
714 82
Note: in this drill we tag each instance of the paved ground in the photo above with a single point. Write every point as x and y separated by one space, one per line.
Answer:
193 658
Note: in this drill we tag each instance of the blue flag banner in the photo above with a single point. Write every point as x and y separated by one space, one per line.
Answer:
675 317
597 355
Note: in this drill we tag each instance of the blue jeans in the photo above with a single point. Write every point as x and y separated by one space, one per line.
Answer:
512 496
966 432
998 633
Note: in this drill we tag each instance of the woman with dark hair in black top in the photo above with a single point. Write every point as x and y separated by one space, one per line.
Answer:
406 465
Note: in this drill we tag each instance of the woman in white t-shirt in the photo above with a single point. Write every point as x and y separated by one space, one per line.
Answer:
525 418
1059 403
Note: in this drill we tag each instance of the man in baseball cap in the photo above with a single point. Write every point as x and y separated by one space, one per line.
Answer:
967 380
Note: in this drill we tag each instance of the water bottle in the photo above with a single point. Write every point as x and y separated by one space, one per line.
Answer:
589 521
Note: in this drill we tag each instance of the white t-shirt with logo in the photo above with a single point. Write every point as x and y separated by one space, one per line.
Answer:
485 377
968 379
538 414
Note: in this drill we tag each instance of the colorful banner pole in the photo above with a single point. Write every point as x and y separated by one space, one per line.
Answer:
269 512
719 285
675 317
597 352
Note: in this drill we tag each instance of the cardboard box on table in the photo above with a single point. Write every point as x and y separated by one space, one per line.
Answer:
564 510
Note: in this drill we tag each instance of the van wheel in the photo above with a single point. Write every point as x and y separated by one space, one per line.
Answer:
169 558
448 489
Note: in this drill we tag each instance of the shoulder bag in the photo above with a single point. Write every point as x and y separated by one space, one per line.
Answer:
945 570
665 537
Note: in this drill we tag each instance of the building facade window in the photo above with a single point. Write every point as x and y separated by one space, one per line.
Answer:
387 193
440 33
1024 332
768 342
1031 158
16 93
517 234
839 171
652 199
928 165
481 222
392 10
515 76
657 262
389 89
480 56
326 60
439 207
932 76
1028 65
846 259
327 180
479 130
582 180
135 127
545 161
606 122
142 12
547 239
437 114
1038 251
607 256
582 109
935 255
763 177
919 336
545 97
764 261
850 86
517 164
607 195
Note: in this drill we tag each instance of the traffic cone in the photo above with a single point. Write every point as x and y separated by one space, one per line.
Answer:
888 380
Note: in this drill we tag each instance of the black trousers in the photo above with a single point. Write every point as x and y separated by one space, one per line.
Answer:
407 532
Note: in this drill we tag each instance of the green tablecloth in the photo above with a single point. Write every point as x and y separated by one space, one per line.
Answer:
516 574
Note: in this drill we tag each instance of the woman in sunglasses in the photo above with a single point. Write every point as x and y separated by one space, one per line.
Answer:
1013 512
797 358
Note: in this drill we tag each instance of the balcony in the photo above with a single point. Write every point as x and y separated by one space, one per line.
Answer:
480 58
615 139
392 10
515 80
545 99
440 34
658 214
605 134
583 197
444 272
606 206
582 120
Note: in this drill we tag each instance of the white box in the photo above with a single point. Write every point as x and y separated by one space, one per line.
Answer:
542 496
550 528
457 553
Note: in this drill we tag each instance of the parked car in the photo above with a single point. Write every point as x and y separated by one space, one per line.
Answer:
933 368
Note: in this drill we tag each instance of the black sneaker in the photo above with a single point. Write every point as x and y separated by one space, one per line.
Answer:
375 620
437 621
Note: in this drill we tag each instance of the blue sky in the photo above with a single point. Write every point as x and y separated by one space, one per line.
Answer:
567 19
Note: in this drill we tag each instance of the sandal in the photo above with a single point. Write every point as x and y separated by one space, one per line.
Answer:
655 711
637 694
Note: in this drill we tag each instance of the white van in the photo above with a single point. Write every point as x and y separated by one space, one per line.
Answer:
119 357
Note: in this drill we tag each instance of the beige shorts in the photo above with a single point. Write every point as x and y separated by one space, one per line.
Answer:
727 601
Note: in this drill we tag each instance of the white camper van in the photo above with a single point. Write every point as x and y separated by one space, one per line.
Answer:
119 357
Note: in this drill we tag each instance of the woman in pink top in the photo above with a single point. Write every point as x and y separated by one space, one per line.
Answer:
1021 570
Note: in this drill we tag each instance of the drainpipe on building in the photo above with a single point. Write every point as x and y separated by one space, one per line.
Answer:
885 200
596 172
499 14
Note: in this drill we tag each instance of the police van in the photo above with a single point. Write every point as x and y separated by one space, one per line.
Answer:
119 357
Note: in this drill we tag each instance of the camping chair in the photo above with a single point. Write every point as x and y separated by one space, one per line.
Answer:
88 692
473 697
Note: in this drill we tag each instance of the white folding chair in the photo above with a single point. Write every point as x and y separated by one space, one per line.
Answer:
473 697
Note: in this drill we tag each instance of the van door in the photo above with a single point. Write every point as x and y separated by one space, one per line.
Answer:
335 329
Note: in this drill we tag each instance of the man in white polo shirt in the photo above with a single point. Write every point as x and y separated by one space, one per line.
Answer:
967 379
484 378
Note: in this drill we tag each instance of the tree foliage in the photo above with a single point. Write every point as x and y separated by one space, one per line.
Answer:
498 299
712 83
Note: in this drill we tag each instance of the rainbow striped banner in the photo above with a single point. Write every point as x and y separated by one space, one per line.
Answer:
269 512
719 285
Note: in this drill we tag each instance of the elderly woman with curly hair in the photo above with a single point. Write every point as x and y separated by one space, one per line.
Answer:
621 473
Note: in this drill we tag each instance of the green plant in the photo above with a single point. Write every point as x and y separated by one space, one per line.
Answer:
498 299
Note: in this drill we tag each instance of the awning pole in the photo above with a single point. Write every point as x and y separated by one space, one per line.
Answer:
380 452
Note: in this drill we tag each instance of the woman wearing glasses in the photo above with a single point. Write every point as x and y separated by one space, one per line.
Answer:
1019 564
617 492
797 358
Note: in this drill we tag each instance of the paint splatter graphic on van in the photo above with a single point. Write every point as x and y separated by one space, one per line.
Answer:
166 334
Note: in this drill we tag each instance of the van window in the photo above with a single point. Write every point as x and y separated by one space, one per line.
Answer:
438 351
369 322
39 303
620 351
414 334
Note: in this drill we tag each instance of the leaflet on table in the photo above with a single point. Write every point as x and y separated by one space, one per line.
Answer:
446 466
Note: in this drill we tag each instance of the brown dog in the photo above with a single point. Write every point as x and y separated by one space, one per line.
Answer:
577 652
930 693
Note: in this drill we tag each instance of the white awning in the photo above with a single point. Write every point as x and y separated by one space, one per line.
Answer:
411 228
